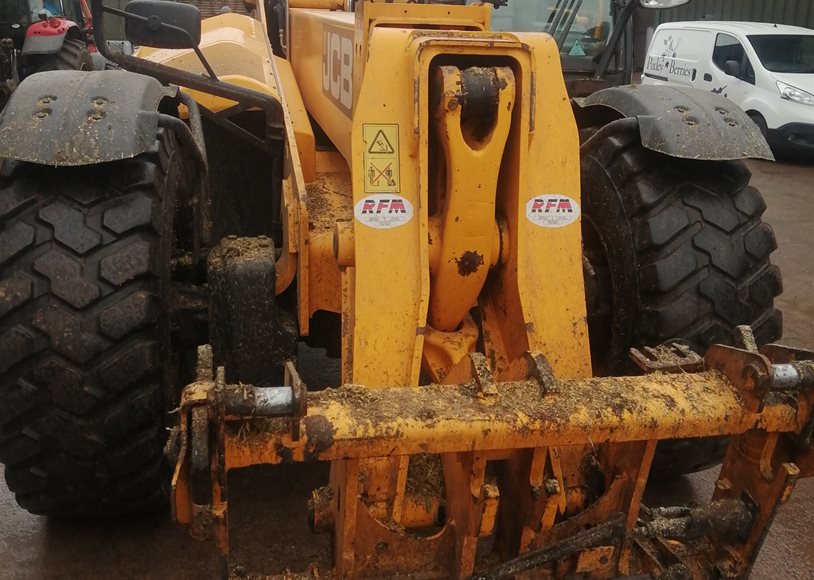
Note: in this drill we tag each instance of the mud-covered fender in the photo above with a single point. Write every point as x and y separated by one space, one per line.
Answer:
79 118
678 121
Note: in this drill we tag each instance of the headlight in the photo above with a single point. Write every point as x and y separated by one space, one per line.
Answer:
794 94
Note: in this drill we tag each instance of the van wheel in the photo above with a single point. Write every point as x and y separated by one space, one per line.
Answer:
674 249
84 272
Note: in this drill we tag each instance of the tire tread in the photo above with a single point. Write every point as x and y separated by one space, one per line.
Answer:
699 258
81 407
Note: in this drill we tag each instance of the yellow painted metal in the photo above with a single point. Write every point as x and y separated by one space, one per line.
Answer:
391 266
391 272
443 350
329 202
539 298
293 260
320 4
500 244
403 307
368 423
556 318
235 45
303 133
470 427
537 288
466 206
311 35
382 14
335 44
543 273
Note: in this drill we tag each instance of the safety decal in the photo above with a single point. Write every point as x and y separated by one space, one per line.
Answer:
552 210
383 211
381 153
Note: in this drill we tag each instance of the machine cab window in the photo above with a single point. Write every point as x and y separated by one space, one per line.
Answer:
50 7
581 29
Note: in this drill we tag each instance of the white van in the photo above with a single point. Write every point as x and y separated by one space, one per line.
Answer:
766 69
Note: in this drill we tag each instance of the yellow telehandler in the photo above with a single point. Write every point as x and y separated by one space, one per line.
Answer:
537 302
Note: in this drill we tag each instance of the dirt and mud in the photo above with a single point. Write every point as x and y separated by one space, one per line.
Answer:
268 518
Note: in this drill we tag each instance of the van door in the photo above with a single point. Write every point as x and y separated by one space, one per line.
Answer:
674 56
731 73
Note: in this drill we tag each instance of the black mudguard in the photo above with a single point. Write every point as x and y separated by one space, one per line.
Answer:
63 118
679 122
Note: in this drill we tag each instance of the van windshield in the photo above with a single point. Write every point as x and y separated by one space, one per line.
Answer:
580 27
785 53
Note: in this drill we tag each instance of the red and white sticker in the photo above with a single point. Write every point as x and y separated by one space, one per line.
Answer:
383 211
552 210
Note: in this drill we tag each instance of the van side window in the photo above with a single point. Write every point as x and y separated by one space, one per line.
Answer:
729 48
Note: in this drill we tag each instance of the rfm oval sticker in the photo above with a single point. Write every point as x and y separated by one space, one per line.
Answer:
383 210
552 211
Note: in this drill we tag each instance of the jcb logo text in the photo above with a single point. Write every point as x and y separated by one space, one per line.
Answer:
337 67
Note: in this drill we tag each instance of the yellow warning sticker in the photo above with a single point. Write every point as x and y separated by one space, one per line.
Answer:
381 147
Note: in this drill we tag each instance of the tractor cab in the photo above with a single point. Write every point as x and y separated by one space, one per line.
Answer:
16 16
40 35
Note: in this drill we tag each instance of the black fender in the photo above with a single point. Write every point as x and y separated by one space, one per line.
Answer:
678 121
63 118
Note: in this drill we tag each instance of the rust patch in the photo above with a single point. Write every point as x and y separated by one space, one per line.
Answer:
425 477
285 454
320 436
469 262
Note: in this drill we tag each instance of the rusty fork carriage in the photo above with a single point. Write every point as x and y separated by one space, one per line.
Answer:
537 427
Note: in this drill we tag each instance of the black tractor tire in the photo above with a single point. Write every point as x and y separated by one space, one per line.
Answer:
73 55
84 267
674 248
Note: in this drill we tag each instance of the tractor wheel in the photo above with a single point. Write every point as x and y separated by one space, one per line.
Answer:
84 269
674 249
73 55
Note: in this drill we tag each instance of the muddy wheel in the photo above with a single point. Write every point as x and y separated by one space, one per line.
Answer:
84 258
758 120
73 55
674 249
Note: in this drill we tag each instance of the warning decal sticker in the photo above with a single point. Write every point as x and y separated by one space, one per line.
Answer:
383 211
381 147
552 211
577 49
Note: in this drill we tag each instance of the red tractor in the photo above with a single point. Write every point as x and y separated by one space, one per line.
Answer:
39 35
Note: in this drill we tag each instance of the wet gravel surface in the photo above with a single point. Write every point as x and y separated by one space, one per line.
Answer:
268 522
